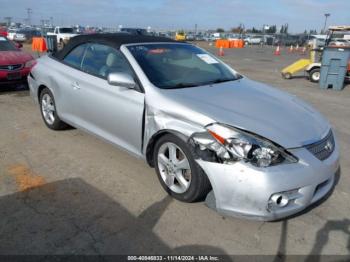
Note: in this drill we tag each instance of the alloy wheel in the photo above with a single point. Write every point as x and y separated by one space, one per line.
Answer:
48 109
174 167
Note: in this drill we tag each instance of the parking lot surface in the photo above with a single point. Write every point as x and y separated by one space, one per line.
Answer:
68 192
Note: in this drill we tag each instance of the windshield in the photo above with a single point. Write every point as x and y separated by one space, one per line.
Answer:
66 30
6 45
180 65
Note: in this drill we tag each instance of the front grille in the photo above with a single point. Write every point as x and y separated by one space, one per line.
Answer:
324 148
10 67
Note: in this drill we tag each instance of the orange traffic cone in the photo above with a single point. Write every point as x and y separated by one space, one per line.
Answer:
291 49
221 51
277 51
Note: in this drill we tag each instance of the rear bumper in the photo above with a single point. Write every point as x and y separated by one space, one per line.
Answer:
245 191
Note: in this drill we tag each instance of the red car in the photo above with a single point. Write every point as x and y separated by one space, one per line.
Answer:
3 32
15 64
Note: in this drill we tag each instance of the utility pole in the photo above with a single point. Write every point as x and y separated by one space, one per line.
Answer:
241 29
325 21
195 29
8 20
29 12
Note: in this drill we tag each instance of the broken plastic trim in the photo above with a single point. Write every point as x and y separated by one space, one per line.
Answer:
200 151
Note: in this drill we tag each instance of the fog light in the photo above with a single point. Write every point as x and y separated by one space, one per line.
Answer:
277 201
282 199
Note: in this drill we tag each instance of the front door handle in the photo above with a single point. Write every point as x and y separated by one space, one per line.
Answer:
75 85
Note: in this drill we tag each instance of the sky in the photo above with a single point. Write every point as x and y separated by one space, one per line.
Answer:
182 14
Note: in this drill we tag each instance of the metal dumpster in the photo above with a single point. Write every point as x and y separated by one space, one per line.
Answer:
334 67
51 43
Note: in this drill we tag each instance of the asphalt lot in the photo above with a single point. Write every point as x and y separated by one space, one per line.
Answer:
68 192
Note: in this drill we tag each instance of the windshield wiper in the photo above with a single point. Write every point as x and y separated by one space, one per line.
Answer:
217 81
181 85
185 85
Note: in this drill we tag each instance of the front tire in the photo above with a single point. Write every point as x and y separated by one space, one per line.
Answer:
179 174
49 112
315 75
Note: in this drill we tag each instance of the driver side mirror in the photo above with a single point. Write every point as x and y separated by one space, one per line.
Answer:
121 79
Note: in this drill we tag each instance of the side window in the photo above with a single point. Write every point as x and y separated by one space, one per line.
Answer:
75 56
100 60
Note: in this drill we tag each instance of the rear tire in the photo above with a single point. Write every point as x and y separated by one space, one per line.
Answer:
198 185
287 75
314 75
49 112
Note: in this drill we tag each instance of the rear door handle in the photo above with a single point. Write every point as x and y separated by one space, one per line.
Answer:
75 85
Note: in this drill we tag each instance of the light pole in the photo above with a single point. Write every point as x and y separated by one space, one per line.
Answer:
325 21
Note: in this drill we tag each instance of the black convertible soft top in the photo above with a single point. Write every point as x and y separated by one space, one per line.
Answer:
114 40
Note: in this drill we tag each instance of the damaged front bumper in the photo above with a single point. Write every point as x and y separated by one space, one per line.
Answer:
243 190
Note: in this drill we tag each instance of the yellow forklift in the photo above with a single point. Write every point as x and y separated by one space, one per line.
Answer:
312 65
180 36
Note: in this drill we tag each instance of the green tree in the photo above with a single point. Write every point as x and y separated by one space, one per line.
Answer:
238 30
256 31
272 29
220 30
181 32
282 29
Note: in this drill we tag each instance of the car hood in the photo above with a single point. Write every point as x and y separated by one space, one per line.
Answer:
14 57
68 35
255 107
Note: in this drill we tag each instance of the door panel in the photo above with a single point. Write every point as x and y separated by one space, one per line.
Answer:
65 76
112 112
89 102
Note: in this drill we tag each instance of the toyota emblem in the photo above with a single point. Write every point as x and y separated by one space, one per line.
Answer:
328 146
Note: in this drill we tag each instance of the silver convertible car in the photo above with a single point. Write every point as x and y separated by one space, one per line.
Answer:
210 133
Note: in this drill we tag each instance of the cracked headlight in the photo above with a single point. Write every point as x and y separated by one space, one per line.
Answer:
231 145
